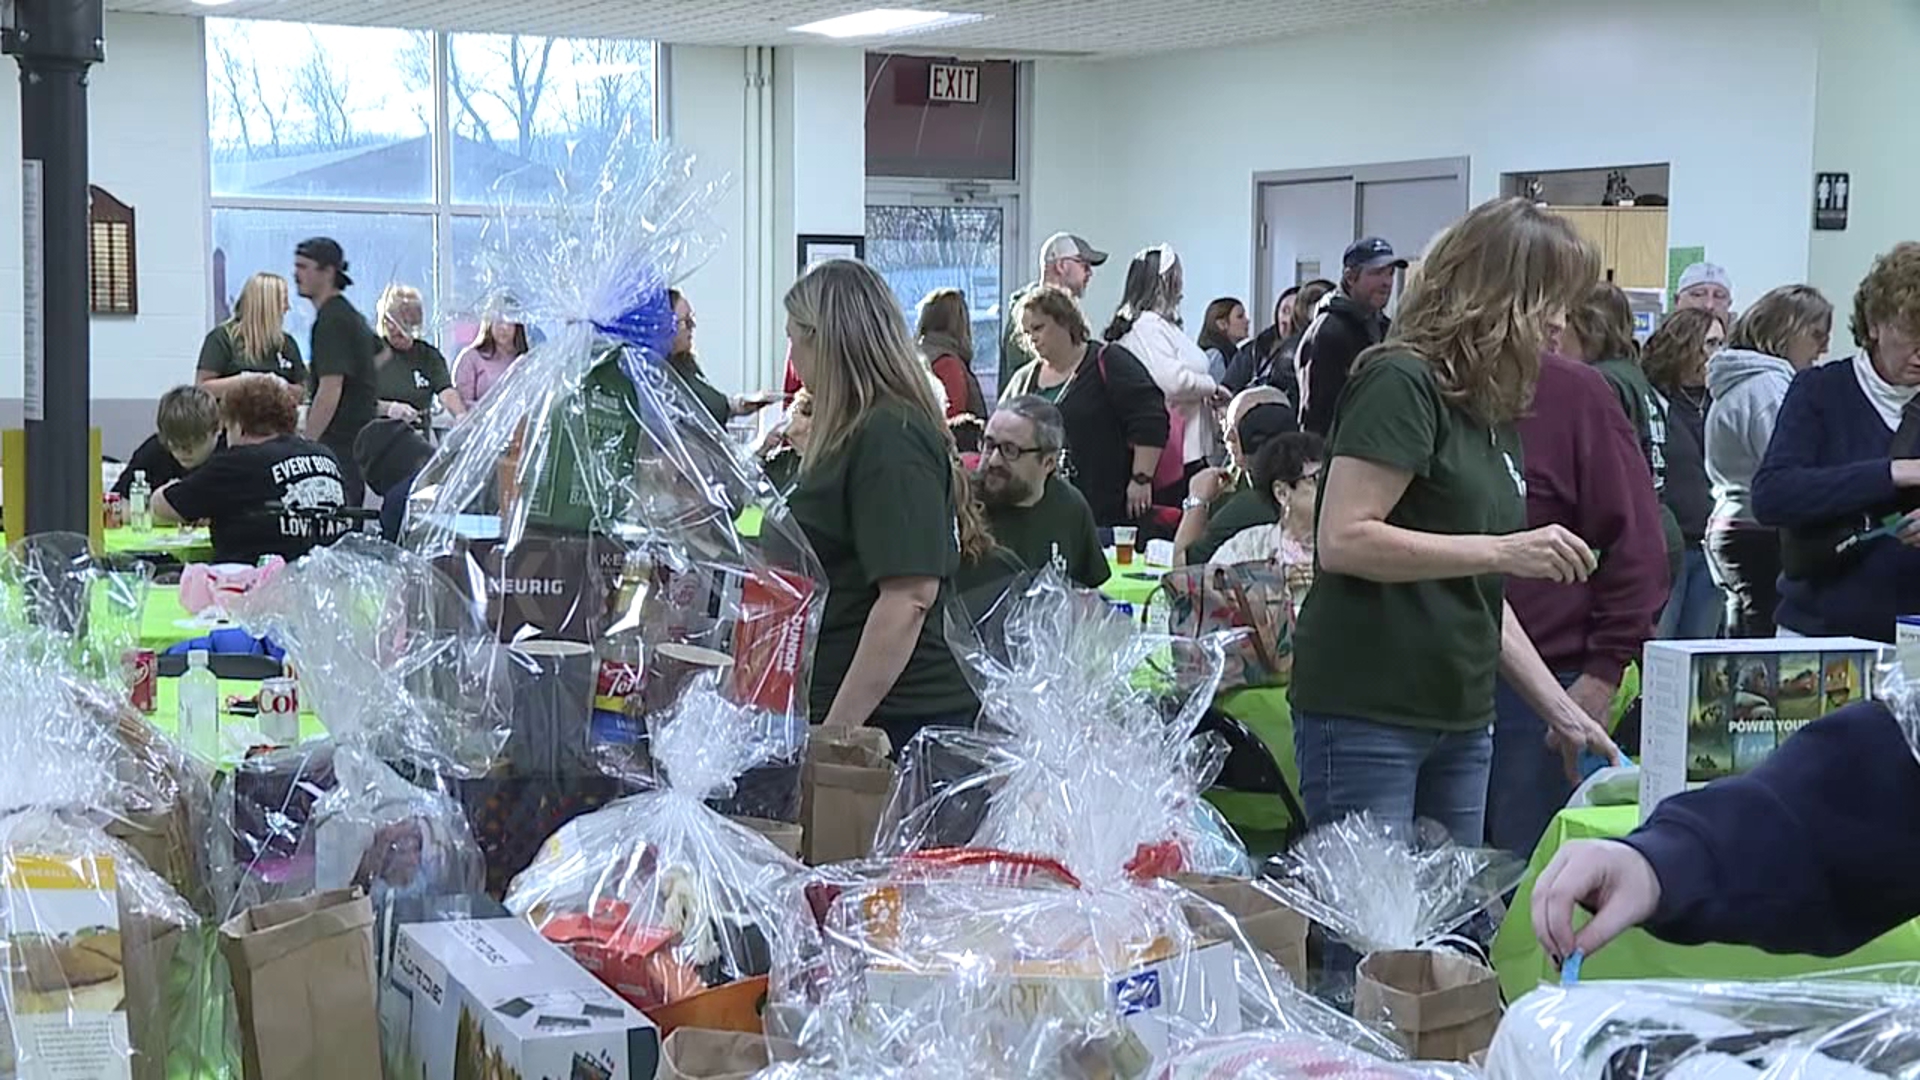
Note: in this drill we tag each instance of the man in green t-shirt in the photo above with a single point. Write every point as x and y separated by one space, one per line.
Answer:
345 397
1066 260
1034 513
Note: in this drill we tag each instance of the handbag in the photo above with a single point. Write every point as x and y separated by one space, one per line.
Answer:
1829 549
1249 600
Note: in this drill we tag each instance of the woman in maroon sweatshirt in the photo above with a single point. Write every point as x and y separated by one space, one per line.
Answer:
1584 471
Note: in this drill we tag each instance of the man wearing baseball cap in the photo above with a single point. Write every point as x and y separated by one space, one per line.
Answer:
345 395
1067 261
1349 321
1709 287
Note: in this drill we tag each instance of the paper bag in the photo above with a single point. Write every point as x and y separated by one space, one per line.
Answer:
303 978
785 835
701 1054
843 793
1270 926
1440 1006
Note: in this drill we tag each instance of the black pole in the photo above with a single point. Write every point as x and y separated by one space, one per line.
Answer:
55 42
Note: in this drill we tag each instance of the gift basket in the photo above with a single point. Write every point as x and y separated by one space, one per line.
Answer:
614 535
102 961
1850 1025
666 900
76 602
1399 895
413 692
1020 926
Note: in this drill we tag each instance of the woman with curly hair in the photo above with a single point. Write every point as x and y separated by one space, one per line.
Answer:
1422 518
1676 365
1841 476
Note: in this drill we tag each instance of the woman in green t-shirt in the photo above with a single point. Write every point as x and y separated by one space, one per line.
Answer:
885 503
253 340
1421 516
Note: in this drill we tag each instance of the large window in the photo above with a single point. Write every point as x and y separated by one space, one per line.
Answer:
401 144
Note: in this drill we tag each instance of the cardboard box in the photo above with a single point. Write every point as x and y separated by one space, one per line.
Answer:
476 998
1717 708
1268 925
65 963
1162 993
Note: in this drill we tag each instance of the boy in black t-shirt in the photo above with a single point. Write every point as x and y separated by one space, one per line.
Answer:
270 492
187 427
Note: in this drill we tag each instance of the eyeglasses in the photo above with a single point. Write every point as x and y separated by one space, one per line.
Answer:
990 446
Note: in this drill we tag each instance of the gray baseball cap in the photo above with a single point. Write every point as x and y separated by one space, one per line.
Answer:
1705 273
1068 246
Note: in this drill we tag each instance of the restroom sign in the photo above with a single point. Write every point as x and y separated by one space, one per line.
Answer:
1831 191
957 84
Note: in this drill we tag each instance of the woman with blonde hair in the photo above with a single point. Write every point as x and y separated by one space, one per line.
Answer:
1781 335
1422 511
945 339
484 362
888 509
410 374
253 340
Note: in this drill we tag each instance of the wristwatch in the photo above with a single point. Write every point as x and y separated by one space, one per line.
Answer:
1192 503
1140 478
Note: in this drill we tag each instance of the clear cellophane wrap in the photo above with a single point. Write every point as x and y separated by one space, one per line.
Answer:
89 609
1848 1025
413 692
1019 928
617 536
101 956
667 900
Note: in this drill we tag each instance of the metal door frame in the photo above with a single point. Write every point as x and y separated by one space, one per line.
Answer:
1264 288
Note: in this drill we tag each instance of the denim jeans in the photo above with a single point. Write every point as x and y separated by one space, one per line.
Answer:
1528 784
1397 773
1696 607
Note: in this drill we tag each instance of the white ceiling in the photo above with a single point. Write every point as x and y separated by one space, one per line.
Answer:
1014 28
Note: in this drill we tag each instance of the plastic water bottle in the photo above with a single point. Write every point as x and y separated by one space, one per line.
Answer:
199 705
140 503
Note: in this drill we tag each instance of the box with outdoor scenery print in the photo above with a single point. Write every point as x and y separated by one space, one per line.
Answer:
1710 709
490 999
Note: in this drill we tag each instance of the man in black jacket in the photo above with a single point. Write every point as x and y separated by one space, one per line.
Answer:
1349 321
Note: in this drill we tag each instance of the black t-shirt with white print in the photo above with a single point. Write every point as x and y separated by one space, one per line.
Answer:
232 490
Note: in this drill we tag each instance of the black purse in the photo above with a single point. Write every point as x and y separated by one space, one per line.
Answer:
1825 551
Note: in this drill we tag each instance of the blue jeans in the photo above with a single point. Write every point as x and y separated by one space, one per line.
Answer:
1696 607
1397 773
1529 782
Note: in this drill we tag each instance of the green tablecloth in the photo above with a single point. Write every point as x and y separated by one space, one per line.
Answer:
161 622
1522 964
1131 584
191 545
239 731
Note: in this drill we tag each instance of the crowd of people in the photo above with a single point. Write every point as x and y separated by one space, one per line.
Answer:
1484 506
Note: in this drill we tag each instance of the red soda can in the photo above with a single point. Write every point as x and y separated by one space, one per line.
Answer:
280 710
141 669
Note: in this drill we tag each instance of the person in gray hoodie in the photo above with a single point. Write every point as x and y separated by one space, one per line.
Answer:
1781 335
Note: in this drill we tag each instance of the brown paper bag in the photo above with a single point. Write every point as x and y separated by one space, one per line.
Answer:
788 836
1270 926
1440 1006
703 1054
843 793
303 979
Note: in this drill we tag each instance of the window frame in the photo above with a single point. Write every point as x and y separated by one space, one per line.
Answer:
441 208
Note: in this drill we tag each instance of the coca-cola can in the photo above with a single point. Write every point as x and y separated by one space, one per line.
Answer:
280 710
141 668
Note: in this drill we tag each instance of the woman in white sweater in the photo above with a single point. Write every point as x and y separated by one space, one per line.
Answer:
1147 324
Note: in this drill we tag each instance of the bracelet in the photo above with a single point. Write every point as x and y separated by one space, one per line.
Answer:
1191 503
1140 478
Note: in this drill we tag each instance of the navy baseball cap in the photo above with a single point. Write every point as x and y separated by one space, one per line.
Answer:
1371 253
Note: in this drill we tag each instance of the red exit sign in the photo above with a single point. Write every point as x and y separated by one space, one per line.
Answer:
955 83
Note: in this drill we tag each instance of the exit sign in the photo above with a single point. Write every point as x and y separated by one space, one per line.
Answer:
956 83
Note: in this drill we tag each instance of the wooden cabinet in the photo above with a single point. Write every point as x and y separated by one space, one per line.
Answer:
1632 241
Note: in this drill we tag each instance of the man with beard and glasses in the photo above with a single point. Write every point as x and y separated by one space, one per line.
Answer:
1035 514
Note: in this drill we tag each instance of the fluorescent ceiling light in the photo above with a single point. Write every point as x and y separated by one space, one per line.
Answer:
213 3
882 22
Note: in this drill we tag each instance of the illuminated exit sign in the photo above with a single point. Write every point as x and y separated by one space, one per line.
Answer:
955 83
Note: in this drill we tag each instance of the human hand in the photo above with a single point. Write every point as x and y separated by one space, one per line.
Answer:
401 411
1139 498
1906 472
1605 877
1573 727
1207 484
1909 531
748 404
1220 397
1549 553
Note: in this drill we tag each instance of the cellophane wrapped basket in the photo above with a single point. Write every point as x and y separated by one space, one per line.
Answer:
615 536
1847 1025
668 901
413 691
102 960
1034 939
